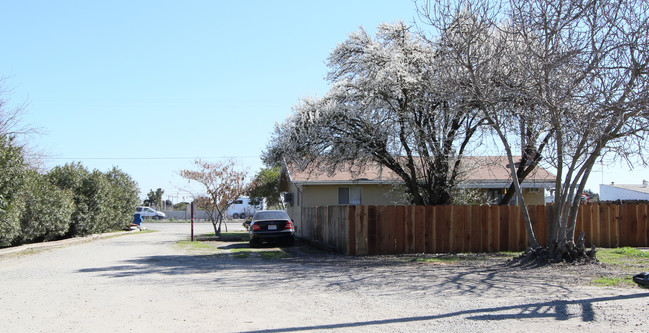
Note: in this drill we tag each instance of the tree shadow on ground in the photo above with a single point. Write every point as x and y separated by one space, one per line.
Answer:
557 310
237 245
308 268
303 264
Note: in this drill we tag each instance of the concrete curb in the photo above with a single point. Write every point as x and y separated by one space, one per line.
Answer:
60 243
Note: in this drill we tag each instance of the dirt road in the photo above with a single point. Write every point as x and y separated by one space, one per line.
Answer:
147 282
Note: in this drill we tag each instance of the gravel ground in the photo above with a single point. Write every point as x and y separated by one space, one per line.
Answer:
148 282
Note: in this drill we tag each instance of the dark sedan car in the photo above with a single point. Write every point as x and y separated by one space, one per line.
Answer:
271 226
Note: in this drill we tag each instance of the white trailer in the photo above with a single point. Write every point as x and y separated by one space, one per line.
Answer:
243 208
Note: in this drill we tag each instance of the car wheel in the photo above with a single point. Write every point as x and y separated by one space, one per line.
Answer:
235 216
253 243
243 215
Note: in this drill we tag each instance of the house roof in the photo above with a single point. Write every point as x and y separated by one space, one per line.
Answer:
640 188
478 172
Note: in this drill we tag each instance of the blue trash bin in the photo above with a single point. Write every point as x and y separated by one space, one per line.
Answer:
137 219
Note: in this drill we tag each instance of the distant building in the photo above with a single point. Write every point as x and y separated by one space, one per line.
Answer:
614 191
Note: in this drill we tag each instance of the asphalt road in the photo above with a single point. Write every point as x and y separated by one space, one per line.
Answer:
147 282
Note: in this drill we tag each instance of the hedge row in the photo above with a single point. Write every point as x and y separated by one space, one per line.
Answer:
65 202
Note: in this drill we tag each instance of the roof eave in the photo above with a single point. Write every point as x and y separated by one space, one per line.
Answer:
347 182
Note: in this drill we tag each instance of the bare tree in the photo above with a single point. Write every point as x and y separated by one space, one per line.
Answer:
10 117
387 105
476 66
223 183
569 78
588 63
12 126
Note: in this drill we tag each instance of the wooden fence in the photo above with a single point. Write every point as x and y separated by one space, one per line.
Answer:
369 230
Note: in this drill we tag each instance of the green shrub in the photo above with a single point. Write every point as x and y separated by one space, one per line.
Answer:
68 201
12 179
102 201
122 198
71 177
96 196
47 211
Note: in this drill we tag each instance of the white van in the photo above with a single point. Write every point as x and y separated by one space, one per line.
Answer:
242 208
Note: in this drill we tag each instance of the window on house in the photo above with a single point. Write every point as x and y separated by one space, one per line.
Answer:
288 198
343 195
495 195
349 196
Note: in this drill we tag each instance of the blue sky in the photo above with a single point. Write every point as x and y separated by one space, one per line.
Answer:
112 82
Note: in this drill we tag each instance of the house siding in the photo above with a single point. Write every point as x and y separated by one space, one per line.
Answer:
534 198
327 195
372 194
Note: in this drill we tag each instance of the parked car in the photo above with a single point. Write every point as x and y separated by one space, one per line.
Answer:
148 212
271 226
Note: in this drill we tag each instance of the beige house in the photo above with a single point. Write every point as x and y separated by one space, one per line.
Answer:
377 185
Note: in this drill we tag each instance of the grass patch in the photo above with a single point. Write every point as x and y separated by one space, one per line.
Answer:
244 236
263 254
209 245
614 282
28 252
621 252
233 236
624 257
268 255
627 260
462 257
509 254
189 245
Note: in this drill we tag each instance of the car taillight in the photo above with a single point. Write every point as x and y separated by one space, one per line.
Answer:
288 225
256 227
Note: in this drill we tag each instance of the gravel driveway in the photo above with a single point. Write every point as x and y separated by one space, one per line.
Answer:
147 282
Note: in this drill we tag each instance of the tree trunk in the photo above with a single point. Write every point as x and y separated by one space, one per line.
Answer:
562 251
217 231
521 201
523 171
531 155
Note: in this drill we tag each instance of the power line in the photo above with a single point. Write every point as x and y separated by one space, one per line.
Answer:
152 158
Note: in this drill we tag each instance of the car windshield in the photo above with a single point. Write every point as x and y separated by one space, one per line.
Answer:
270 215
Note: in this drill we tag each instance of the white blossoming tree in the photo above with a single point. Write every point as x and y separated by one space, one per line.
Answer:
387 105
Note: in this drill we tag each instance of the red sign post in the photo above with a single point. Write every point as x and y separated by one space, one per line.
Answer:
192 221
